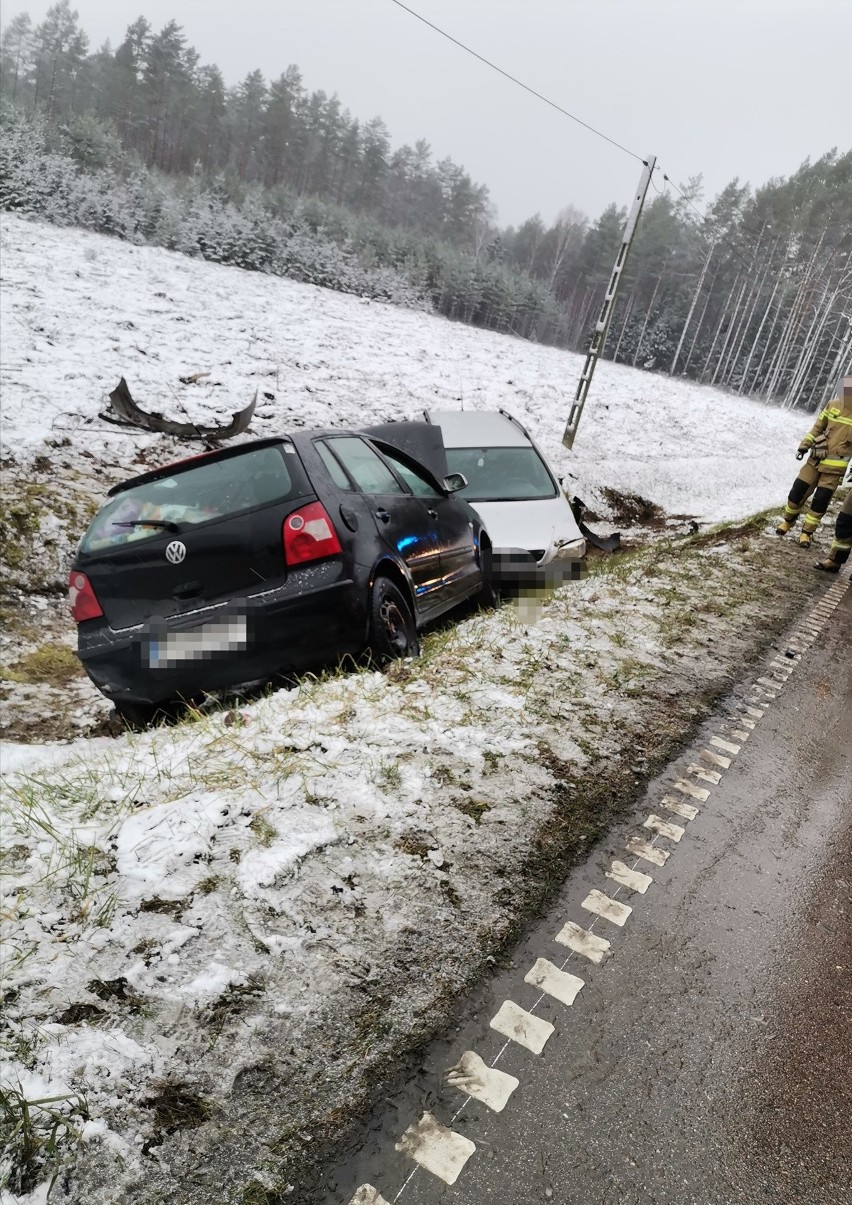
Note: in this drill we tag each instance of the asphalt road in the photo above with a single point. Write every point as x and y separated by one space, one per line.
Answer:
708 1059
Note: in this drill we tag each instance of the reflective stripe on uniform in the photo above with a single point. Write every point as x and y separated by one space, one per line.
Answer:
841 465
838 418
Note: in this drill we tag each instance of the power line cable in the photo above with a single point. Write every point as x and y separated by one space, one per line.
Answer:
705 217
519 83
553 105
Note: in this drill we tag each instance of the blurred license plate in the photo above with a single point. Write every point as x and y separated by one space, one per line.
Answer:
194 644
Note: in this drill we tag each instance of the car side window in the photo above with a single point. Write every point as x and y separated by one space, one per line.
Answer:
330 461
365 467
418 485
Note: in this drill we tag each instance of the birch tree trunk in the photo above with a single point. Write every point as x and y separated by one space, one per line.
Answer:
745 325
708 298
809 344
692 306
793 323
720 324
759 332
729 332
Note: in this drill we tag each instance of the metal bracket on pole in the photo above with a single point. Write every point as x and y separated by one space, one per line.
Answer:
602 324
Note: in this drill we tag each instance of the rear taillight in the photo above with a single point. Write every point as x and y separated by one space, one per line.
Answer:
309 535
84 603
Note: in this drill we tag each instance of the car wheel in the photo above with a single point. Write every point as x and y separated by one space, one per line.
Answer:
393 632
491 593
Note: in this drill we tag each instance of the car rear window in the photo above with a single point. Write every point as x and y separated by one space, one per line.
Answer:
216 489
501 474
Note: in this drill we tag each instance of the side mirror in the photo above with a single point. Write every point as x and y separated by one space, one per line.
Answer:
454 482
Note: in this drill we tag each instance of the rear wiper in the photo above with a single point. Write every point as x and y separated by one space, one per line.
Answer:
148 523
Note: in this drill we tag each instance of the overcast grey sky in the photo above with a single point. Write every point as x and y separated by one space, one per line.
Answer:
726 88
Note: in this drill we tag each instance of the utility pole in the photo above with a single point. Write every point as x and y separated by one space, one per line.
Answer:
602 324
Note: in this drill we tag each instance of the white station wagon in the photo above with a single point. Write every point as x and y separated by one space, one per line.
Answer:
513 489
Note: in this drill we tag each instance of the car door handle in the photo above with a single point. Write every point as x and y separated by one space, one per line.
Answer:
383 514
433 513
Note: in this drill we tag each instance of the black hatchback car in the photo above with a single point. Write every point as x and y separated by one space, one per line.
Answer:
272 557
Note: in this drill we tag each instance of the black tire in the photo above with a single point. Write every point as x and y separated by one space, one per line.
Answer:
490 595
393 632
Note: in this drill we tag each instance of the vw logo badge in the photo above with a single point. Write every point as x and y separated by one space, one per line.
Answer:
175 552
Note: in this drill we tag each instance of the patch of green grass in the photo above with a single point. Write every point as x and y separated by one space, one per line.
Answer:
256 1193
20 520
492 761
389 776
414 844
116 989
234 1000
475 808
38 1136
263 830
54 664
175 1106
14 620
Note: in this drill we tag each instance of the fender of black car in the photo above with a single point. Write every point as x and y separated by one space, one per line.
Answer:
397 571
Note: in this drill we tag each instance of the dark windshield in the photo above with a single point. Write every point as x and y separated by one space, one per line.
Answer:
214 490
501 474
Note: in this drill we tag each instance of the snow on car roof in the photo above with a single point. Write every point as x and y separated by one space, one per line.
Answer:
478 429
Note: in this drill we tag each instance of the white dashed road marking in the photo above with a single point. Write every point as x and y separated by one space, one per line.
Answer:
367 1195
439 1150
687 810
642 849
635 880
559 984
522 1027
705 775
664 828
715 759
581 941
472 1076
726 745
607 907
687 788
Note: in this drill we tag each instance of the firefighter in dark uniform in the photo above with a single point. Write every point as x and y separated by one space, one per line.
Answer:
828 446
841 546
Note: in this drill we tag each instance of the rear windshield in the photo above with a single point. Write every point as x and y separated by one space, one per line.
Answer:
501 474
215 490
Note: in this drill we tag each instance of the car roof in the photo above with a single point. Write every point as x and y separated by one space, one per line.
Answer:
478 428
414 441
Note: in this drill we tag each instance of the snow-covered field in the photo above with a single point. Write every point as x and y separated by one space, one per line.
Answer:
214 933
80 310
